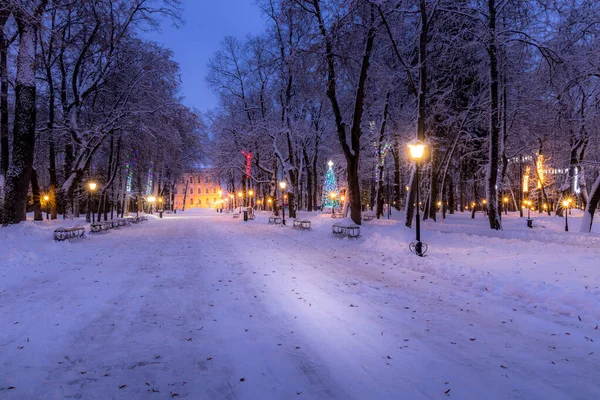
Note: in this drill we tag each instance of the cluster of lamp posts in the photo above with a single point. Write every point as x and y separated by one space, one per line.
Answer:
240 195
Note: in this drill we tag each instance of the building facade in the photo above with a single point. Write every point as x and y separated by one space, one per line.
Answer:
198 189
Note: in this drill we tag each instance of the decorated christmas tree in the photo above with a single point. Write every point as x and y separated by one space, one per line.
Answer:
330 189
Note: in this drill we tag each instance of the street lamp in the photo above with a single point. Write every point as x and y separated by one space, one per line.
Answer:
565 209
417 148
92 187
46 200
282 185
240 195
251 194
505 201
484 202
221 199
151 200
270 201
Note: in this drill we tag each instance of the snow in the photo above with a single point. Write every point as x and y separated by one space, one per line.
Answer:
203 306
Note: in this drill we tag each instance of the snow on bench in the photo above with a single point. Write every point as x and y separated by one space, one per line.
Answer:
367 216
274 220
349 231
61 233
302 224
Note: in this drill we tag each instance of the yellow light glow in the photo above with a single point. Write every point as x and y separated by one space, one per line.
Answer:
439 203
240 194
417 148
484 201
343 198
46 198
151 199
160 199
505 199
270 201
220 192
408 187
92 186
472 204
251 193
332 195
231 196
565 203
545 206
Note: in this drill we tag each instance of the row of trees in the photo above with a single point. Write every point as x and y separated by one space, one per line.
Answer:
494 87
85 97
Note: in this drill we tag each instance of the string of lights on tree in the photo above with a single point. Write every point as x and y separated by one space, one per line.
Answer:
330 189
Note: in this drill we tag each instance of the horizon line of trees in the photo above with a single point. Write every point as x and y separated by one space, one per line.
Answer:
84 97
497 89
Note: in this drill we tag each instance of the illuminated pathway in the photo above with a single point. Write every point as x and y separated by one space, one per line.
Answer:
203 306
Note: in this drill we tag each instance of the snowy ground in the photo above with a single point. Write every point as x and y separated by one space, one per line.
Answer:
203 306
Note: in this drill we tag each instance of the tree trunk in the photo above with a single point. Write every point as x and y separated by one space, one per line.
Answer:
4 154
18 176
494 139
590 209
36 197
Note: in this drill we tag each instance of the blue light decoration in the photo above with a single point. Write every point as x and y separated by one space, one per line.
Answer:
330 187
129 167
150 179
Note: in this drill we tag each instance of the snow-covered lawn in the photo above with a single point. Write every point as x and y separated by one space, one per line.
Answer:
203 306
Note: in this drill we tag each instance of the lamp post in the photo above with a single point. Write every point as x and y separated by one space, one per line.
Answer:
160 207
251 195
46 200
151 200
417 148
230 202
505 201
484 202
221 200
565 208
439 204
282 185
91 187
270 201
240 195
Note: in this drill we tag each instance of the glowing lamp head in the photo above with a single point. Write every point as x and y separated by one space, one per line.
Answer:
220 192
160 199
330 163
251 193
270 201
565 203
332 195
484 201
282 184
151 199
343 198
505 199
46 198
231 196
240 194
92 186
439 203
417 148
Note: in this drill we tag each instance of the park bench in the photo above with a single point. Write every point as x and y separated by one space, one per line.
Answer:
61 233
302 224
337 215
368 216
274 220
123 222
349 231
101 226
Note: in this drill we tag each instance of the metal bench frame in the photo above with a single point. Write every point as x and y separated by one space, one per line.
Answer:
302 224
349 231
275 220
61 233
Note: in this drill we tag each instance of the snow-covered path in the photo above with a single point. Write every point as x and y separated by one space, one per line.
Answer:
204 306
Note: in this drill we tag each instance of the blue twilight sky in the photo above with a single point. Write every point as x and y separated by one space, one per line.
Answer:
206 23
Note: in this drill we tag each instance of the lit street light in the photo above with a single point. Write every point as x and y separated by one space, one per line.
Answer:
417 148
565 209
151 200
251 194
46 199
91 188
282 185
505 201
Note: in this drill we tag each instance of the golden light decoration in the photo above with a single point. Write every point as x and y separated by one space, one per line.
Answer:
416 148
332 195
343 198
